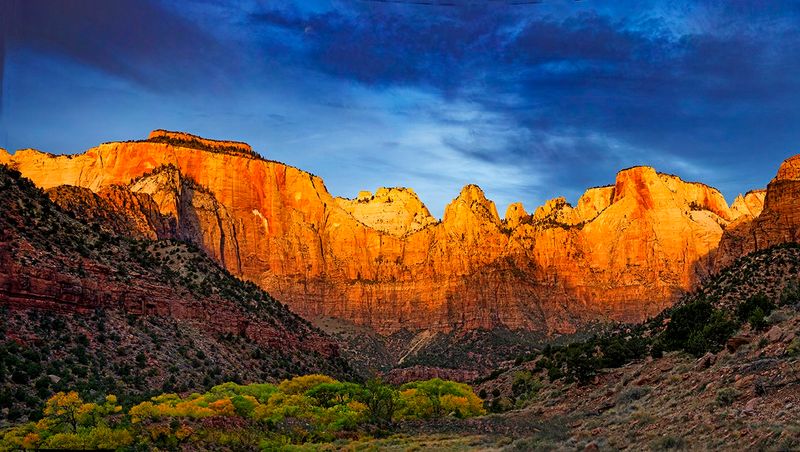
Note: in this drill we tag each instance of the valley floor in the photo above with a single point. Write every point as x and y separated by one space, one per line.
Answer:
748 399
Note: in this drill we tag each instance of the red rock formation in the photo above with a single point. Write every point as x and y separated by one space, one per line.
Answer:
625 252
396 211
187 139
117 209
768 218
53 262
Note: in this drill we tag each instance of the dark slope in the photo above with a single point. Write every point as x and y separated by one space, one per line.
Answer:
84 308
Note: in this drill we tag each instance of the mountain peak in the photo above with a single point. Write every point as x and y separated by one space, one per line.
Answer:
471 203
514 214
394 210
790 169
593 202
750 204
471 191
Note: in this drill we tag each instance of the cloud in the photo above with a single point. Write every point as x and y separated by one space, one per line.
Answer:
529 101
585 69
136 40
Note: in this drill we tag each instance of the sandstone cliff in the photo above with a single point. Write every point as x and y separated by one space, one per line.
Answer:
396 211
59 261
625 252
116 209
186 139
767 218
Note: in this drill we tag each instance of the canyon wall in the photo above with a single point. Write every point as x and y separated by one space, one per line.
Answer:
771 217
624 252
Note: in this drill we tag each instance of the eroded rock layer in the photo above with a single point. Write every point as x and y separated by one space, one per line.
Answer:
624 252
769 218
396 211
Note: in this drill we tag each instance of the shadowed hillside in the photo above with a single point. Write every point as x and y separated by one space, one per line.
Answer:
86 309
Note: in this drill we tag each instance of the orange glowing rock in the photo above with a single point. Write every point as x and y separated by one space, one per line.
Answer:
624 252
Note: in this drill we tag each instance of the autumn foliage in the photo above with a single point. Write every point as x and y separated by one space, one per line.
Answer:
305 409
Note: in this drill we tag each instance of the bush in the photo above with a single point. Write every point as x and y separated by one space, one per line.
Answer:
755 310
726 396
525 386
685 321
581 362
698 328
632 395
436 398
793 349
790 294
669 443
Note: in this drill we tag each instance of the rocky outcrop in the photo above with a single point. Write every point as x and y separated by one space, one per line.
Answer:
187 139
594 201
738 239
395 211
56 262
625 252
767 218
750 205
116 209
194 211
779 221
515 214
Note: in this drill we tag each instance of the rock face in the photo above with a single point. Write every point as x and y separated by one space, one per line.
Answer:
53 261
750 205
186 139
117 209
395 211
625 252
768 218
779 221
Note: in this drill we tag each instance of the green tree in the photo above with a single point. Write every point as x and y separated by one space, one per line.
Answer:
437 397
382 401
755 310
330 394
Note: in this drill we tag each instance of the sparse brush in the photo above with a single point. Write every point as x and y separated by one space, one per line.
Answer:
726 396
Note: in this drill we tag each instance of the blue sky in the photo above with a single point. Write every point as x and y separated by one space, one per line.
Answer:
529 101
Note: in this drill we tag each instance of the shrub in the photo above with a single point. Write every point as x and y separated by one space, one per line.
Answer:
581 362
755 310
525 385
299 385
685 320
632 394
669 442
726 396
697 328
790 294
793 349
436 398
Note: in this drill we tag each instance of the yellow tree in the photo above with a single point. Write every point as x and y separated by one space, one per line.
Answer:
62 410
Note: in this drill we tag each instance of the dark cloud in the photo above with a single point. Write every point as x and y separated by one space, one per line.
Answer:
586 69
136 40
569 92
713 86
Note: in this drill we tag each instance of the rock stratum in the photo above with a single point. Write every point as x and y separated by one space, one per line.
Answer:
61 262
624 252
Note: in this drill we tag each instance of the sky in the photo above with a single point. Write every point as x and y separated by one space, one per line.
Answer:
529 100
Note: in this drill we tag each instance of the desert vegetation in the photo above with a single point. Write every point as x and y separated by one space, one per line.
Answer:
758 293
302 410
